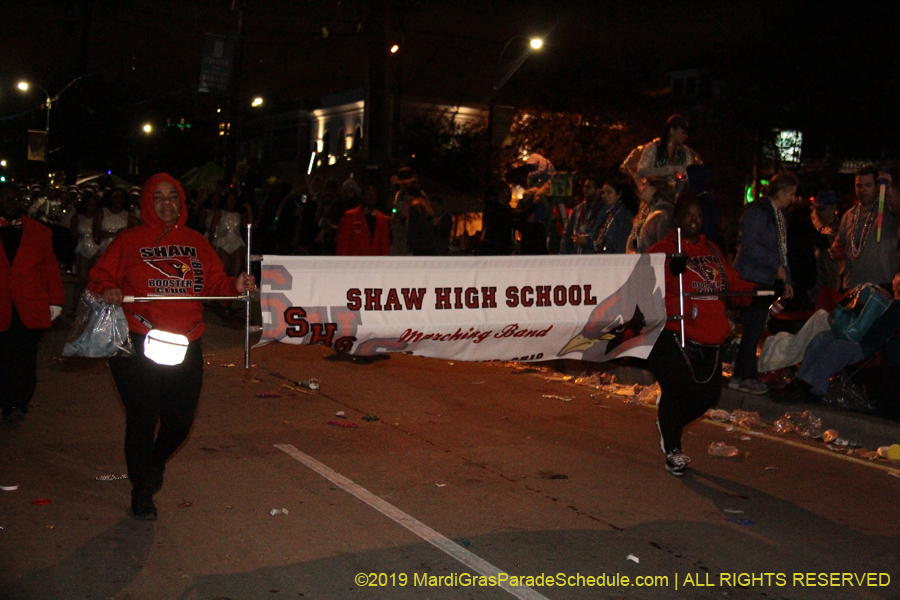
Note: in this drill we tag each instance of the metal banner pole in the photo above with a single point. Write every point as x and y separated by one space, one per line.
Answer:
681 291
247 307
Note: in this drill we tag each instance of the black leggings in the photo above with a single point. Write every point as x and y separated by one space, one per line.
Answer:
18 364
683 399
152 394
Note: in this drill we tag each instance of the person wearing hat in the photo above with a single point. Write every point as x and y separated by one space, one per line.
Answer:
664 161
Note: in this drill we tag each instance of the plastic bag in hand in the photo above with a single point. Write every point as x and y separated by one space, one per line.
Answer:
100 330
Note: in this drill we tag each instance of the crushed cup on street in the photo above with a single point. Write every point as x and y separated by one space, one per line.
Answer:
722 449
719 415
278 511
633 558
829 436
312 384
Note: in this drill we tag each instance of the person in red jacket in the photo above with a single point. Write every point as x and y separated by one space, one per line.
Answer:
160 257
364 230
690 378
31 296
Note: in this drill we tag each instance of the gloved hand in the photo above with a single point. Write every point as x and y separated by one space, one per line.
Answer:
678 264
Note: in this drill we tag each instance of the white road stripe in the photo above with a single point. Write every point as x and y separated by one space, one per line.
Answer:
480 566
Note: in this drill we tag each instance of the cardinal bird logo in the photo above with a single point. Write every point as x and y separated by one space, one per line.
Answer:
170 267
631 316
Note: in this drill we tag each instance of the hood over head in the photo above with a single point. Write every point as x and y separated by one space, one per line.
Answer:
148 214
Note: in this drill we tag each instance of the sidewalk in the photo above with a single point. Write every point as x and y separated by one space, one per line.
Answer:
857 428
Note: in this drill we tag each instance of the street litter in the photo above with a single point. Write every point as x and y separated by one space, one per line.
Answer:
733 511
829 436
722 449
719 415
746 438
349 424
559 378
41 501
278 511
552 475
441 484
555 397
464 542
227 365
649 395
312 384
269 395
340 414
111 477
746 419
805 424
633 558
476 382
894 473
9 488
254 380
370 418
185 505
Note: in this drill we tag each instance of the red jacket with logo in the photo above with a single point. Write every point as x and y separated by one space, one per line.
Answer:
705 321
355 239
151 260
32 282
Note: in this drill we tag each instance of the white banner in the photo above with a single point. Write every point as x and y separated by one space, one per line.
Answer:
523 308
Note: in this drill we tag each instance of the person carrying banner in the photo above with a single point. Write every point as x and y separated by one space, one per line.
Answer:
690 374
160 257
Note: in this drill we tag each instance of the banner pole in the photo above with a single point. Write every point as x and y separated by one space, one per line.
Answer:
247 307
681 291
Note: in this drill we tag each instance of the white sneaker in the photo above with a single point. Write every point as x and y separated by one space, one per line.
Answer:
676 463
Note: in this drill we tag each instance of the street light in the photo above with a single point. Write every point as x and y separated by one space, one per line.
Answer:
148 128
534 44
24 85
257 101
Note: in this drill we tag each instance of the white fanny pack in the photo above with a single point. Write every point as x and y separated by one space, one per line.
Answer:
165 348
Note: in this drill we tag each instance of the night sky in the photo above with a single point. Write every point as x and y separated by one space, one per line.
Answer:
828 70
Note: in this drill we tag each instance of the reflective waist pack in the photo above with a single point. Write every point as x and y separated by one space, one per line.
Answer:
165 348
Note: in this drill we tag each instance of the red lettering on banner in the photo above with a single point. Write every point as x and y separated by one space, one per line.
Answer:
512 297
458 293
575 295
393 301
471 297
559 295
353 299
543 295
413 298
588 299
514 331
525 296
441 298
322 333
295 319
487 297
373 298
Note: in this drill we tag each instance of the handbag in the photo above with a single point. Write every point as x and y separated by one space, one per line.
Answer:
857 311
100 330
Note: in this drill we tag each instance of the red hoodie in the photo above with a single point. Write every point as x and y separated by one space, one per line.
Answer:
706 272
151 260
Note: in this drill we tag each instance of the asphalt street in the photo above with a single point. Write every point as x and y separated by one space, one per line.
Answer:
449 472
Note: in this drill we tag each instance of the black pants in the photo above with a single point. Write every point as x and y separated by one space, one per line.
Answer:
755 317
18 364
156 394
683 399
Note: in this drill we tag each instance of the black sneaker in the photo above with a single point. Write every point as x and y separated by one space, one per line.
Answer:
676 462
142 507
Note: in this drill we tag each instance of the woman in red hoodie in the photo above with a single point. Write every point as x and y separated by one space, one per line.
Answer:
690 378
160 257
